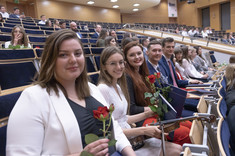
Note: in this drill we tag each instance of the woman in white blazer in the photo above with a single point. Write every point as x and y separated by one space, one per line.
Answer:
48 118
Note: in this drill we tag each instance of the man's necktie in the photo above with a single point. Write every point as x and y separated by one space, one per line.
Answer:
172 74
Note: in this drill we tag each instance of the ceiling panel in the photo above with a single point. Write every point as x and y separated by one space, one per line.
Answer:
125 6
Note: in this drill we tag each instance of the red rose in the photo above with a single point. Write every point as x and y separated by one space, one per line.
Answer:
158 75
151 78
101 114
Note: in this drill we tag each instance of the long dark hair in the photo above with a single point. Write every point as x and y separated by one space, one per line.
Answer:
138 77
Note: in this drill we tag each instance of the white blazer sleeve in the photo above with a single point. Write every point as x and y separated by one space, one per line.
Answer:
122 141
25 131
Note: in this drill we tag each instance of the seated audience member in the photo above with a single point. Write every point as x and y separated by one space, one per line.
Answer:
18 39
74 27
204 33
98 29
152 38
56 24
136 71
225 39
178 66
16 14
62 24
184 32
145 43
199 59
113 86
100 42
1 18
43 20
231 119
192 32
230 85
197 32
230 101
166 64
48 23
177 30
231 39
110 41
232 59
125 42
127 34
113 33
135 38
178 63
3 12
61 105
86 28
188 55
209 30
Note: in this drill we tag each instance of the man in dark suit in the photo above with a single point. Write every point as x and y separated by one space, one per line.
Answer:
97 31
154 64
168 46
154 53
16 14
74 27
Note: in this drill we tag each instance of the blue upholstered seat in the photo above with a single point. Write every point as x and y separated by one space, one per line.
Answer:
34 32
3 132
5 29
97 50
7 102
37 39
16 67
31 27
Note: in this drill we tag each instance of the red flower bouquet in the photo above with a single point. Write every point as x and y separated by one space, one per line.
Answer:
154 102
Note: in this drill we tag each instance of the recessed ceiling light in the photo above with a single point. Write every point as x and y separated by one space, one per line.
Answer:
115 6
113 0
135 5
135 9
90 2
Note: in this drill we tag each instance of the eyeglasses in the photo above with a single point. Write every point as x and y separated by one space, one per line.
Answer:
114 64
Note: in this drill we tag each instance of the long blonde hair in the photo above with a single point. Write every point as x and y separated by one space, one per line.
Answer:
230 76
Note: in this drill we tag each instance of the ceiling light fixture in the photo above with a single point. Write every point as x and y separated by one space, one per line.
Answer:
135 9
135 5
115 6
90 2
113 1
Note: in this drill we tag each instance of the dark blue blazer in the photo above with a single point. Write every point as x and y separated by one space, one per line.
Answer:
95 35
152 71
13 16
164 65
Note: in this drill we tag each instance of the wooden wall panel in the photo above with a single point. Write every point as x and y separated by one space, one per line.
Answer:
215 16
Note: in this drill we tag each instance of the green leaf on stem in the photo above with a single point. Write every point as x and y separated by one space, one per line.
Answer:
112 142
153 108
85 153
89 138
156 94
152 100
146 95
